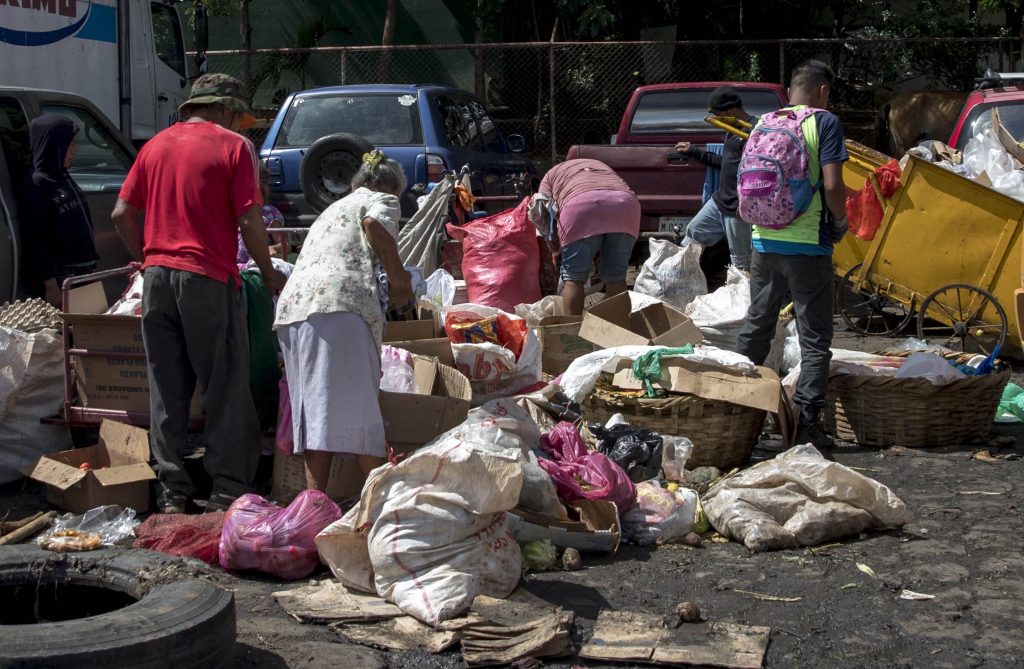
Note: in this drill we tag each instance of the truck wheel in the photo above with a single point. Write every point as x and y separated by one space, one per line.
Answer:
104 609
328 167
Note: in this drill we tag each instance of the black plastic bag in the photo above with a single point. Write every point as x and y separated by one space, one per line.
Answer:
637 450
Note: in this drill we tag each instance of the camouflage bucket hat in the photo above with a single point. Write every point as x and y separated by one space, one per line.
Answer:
221 89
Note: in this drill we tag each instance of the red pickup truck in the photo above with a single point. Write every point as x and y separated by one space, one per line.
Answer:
669 185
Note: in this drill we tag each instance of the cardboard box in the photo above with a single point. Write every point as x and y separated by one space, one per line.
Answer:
120 471
561 343
597 530
411 420
420 337
110 381
612 322
761 390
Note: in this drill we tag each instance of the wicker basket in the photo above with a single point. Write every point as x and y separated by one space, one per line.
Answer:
723 434
915 413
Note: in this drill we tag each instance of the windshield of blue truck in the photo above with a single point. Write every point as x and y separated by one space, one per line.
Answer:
379 119
683 111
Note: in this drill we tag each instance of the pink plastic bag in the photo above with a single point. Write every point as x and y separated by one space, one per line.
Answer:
283 439
500 259
582 474
262 536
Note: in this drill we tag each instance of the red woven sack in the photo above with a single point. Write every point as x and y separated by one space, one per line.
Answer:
500 259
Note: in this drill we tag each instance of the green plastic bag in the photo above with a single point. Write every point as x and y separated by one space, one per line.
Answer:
647 367
1011 405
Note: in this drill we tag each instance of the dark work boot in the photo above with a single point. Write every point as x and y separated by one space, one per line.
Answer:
809 429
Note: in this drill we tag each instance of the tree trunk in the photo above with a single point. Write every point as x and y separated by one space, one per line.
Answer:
388 39
478 53
246 30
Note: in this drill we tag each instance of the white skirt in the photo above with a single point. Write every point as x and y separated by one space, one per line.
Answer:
333 367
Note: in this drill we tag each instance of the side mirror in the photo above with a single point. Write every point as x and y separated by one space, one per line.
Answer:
516 143
202 28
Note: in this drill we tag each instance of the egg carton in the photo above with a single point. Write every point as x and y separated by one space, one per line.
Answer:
30 316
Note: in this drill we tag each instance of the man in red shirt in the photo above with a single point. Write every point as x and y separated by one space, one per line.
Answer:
197 184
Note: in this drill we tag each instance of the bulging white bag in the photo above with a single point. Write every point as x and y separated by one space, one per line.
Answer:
430 533
31 388
800 499
672 273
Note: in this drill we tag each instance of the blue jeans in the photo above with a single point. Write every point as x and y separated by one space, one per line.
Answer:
711 225
615 248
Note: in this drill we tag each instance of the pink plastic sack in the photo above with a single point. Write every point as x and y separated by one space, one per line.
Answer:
283 438
582 474
500 259
261 536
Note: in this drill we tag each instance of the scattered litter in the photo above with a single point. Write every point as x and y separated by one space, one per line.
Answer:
986 455
769 598
328 601
108 524
967 493
866 569
571 560
492 632
915 596
540 555
849 586
624 636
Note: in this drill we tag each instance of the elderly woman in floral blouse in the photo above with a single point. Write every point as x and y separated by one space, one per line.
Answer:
330 321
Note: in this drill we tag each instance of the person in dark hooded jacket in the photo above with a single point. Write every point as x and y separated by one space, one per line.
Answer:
56 227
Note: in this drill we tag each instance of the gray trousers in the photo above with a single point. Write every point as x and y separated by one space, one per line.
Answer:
808 279
194 329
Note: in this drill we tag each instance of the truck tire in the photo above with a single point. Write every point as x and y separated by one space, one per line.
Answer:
181 623
328 167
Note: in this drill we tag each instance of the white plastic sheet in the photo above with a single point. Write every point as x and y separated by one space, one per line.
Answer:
581 376
800 499
659 516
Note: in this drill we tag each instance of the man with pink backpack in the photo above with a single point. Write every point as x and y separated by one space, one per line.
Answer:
791 190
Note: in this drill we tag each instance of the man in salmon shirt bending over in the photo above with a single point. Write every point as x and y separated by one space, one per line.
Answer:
597 213
197 184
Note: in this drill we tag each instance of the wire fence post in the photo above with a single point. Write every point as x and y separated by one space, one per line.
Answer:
782 63
551 101
344 67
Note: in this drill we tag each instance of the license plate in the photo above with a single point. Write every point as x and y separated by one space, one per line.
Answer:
668 223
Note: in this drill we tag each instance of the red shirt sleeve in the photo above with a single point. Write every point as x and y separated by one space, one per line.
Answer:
135 186
245 182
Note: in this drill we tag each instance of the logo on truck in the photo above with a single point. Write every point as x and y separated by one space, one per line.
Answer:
42 22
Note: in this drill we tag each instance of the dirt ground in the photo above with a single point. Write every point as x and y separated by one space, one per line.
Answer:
963 547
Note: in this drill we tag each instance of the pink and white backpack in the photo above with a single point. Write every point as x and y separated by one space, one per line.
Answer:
774 182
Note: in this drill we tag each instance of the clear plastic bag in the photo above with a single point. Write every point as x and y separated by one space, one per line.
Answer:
397 374
441 289
674 456
261 536
660 516
672 273
112 523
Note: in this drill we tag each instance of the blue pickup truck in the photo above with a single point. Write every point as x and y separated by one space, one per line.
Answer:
316 143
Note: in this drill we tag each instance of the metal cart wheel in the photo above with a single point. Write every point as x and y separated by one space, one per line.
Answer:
978 322
869 312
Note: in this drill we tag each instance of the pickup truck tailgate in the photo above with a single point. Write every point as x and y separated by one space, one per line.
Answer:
664 186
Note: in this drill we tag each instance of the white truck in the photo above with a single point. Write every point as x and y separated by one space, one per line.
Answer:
127 57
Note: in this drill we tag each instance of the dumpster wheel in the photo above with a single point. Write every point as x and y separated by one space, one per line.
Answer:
869 311
976 321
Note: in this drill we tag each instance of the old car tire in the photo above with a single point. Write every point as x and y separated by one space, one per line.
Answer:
179 623
328 168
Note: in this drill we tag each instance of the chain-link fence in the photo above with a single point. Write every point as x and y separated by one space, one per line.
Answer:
563 93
